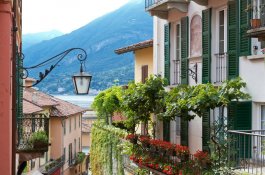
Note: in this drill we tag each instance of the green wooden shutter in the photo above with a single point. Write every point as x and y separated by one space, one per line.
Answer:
206 45
184 49
244 23
206 131
166 131
240 118
184 133
232 43
167 51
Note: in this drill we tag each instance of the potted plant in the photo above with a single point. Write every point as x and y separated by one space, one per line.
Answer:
39 140
255 21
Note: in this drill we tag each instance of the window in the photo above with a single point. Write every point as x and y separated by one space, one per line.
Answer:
64 127
75 122
144 73
32 164
70 154
75 148
178 126
79 144
69 125
176 61
80 120
221 56
262 127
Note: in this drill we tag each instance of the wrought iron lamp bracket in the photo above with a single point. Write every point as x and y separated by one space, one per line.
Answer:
194 72
24 71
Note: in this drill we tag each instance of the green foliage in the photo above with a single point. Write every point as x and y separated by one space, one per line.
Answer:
80 157
142 100
199 99
40 138
107 102
105 150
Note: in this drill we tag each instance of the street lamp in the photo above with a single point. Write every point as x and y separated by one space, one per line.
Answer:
81 80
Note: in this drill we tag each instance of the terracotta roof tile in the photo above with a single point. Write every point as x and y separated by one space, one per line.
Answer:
134 47
64 108
39 98
59 108
30 108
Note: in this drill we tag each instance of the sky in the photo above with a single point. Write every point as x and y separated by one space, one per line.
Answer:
63 15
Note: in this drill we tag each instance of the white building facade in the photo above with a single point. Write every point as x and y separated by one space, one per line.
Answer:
215 40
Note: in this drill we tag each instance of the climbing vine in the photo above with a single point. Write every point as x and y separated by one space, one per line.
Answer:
105 153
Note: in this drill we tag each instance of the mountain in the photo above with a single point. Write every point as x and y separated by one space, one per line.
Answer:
127 25
31 39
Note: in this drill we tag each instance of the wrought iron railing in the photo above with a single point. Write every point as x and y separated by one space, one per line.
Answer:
220 67
246 151
53 165
176 72
149 3
79 158
33 133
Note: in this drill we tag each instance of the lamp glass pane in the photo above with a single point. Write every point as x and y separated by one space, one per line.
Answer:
82 84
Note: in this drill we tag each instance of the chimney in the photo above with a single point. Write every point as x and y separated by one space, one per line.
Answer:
29 81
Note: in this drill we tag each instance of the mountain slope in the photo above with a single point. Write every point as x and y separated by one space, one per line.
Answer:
127 25
31 39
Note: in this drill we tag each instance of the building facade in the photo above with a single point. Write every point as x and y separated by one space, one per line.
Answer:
210 41
10 46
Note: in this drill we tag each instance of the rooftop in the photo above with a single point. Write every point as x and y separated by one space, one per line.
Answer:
134 47
35 101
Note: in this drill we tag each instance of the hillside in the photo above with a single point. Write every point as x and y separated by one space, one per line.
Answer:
31 39
127 25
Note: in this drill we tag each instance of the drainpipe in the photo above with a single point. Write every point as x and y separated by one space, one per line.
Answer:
14 85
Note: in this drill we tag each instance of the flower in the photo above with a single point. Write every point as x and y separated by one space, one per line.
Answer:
182 151
132 138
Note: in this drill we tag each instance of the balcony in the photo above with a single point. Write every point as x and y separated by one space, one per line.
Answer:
220 68
201 2
52 166
32 134
160 8
79 158
246 151
257 28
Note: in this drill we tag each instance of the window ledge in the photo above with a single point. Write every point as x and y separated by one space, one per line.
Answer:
195 57
253 57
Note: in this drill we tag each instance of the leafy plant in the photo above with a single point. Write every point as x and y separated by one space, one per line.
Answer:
39 140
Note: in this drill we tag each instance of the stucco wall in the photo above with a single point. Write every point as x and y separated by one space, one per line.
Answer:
143 57
5 90
56 137
69 137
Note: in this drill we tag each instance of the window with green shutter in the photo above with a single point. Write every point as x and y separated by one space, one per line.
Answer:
166 131
206 131
184 133
167 51
240 118
232 44
184 49
206 45
244 23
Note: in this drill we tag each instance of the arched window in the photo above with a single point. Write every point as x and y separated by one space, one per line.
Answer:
196 36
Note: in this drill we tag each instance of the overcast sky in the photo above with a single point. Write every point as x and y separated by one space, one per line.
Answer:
64 15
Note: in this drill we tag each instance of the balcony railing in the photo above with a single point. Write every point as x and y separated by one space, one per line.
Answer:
246 151
161 8
52 166
176 73
220 67
79 158
32 133
257 23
